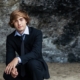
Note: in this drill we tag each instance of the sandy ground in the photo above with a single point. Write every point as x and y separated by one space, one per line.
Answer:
58 71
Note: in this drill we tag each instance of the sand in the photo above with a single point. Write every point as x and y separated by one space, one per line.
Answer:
58 71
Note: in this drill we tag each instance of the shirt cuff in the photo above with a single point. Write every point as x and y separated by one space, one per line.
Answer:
19 59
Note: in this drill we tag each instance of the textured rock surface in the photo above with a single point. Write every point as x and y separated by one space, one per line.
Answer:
59 21
6 7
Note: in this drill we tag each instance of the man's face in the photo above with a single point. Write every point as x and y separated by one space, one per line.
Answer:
20 24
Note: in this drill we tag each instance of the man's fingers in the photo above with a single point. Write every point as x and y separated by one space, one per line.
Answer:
8 69
14 76
14 73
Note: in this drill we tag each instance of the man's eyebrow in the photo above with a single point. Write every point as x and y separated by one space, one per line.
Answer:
21 18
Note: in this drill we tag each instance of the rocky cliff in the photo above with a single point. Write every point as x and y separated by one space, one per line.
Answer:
59 20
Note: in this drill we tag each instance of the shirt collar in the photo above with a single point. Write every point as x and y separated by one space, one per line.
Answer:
26 31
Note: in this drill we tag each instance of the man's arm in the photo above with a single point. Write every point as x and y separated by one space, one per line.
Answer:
11 59
36 51
10 52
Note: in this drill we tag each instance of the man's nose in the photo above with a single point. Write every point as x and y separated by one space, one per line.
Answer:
18 22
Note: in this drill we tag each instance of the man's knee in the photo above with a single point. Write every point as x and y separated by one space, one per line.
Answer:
8 77
34 64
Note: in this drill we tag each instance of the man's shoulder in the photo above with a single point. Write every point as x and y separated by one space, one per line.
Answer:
34 30
11 34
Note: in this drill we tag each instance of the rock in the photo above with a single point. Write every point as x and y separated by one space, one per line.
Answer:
6 7
59 20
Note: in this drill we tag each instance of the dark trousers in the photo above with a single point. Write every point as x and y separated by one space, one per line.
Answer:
34 71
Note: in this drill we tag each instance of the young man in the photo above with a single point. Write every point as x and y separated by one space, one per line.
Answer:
29 65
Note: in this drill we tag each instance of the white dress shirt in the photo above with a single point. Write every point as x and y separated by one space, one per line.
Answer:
26 31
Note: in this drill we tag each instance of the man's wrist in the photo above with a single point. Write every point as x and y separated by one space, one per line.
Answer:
19 60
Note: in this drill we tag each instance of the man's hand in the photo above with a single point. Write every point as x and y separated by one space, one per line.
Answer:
11 65
14 73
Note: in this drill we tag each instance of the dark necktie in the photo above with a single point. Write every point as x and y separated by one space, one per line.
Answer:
22 53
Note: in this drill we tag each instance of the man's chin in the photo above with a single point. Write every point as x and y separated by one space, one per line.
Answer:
20 31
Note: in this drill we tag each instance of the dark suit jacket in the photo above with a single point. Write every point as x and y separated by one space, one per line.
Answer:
33 48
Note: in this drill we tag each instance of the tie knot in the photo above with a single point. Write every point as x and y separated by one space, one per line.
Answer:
23 37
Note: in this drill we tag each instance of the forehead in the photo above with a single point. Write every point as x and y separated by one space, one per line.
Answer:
19 17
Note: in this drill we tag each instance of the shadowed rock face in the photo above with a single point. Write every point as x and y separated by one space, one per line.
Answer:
60 7
59 21
6 7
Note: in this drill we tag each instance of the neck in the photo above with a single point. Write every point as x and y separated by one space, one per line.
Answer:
21 32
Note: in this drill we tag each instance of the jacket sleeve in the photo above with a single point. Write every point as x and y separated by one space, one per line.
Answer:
36 51
10 52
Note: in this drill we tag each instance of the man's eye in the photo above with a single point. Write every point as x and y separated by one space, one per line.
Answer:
21 19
